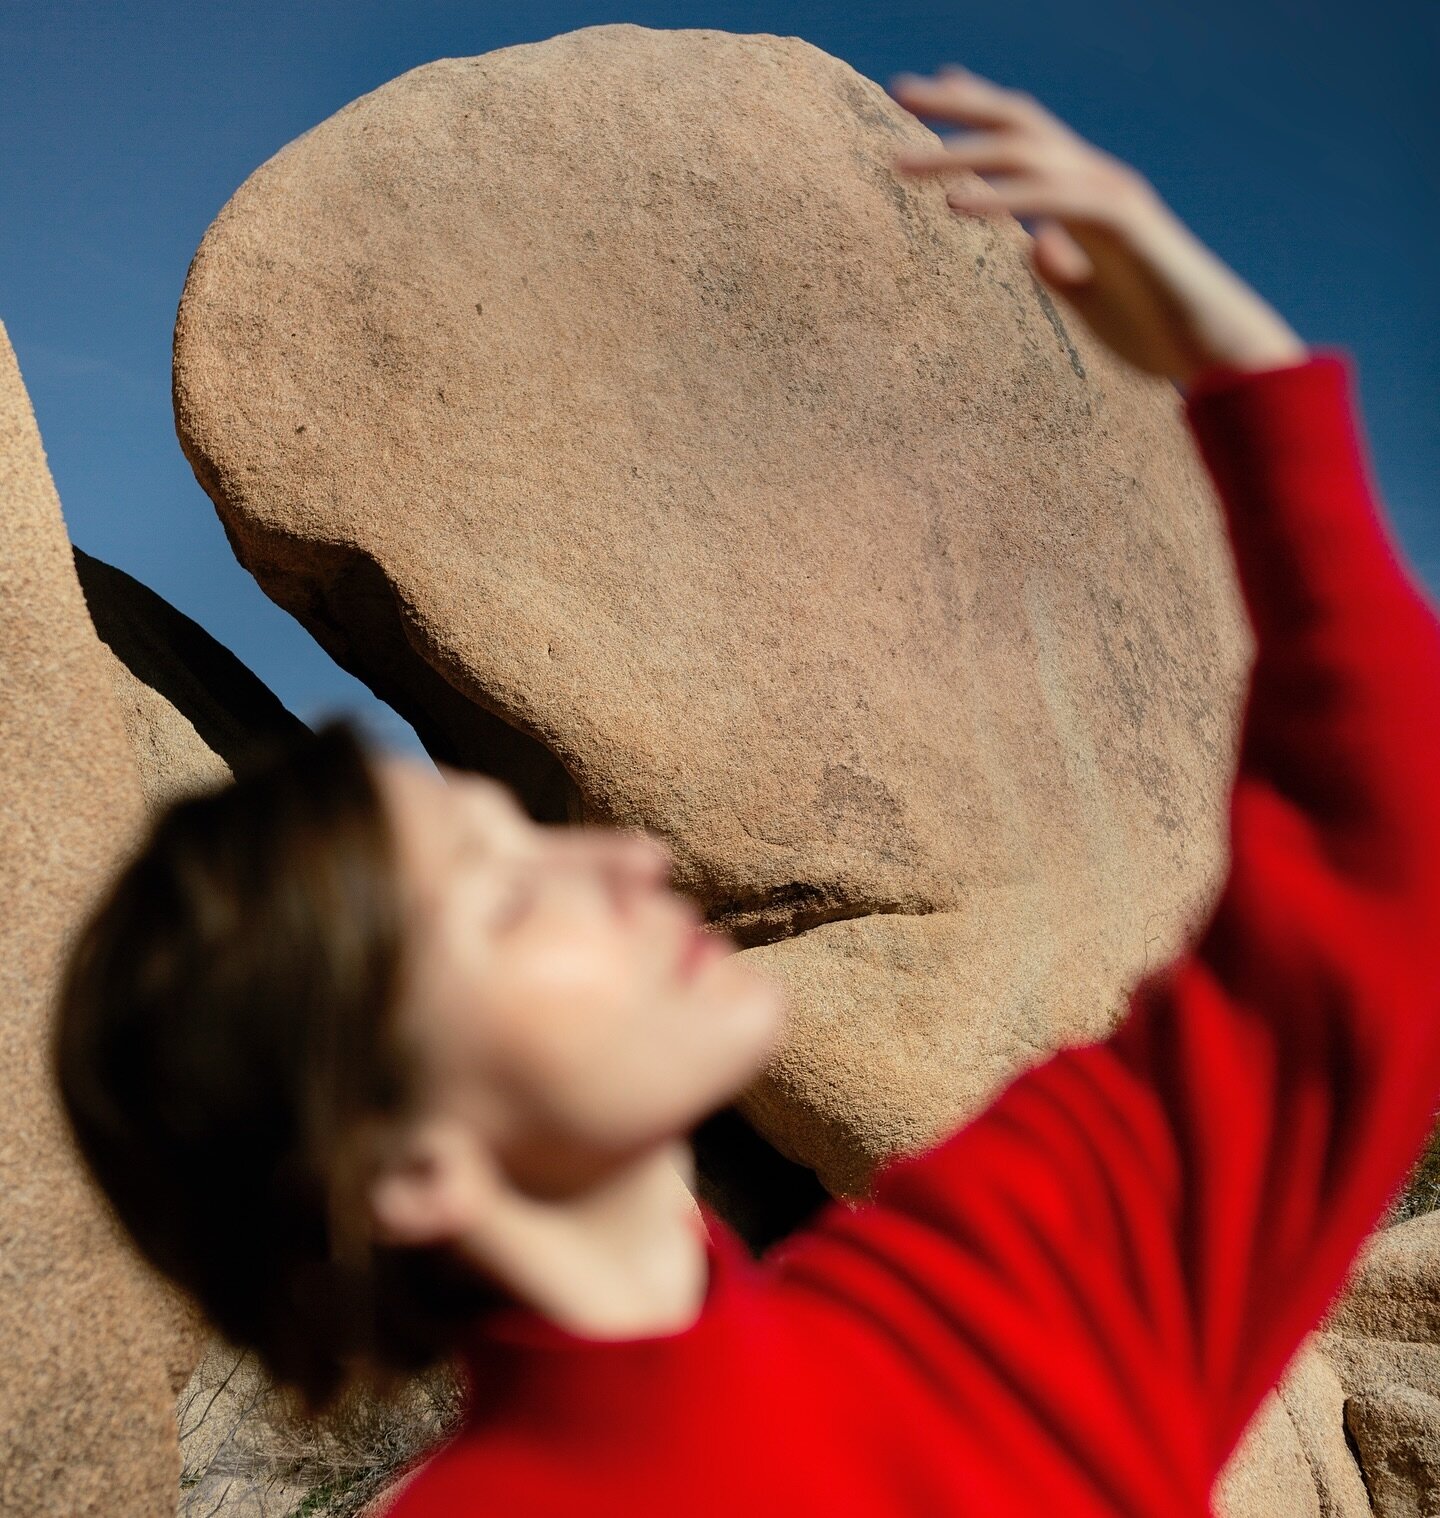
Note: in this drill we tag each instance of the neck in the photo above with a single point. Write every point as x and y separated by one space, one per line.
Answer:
621 1256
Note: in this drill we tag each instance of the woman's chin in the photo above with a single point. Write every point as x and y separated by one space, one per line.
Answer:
750 996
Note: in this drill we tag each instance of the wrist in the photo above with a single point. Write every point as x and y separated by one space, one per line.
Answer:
1280 352
1218 322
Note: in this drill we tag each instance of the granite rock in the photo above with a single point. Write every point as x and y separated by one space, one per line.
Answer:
94 1341
610 407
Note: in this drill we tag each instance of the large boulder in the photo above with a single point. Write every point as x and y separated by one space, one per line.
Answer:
105 1362
613 410
93 1341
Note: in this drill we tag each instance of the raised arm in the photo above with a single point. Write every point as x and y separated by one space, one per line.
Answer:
1078 1301
1309 1011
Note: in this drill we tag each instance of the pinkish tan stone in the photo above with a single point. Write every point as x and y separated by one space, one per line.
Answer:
192 712
612 409
1365 1365
94 1343
186 711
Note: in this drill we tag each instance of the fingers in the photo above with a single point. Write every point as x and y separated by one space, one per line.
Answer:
1071 201
1013 145
960 96
1088 189
1058 258
1000 194
1042 168
982 151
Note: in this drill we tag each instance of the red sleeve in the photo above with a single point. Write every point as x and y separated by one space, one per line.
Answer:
1099 1277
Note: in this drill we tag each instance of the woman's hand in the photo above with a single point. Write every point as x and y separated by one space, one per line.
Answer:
1105 241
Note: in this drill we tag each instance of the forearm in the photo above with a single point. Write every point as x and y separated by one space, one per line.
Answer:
1309 535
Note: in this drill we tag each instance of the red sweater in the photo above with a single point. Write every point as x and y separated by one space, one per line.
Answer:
1075 1303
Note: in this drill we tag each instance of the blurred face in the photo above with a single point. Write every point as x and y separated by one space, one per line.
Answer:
564 1005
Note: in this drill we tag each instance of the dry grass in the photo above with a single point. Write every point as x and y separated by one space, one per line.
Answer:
1421 1192
247 1453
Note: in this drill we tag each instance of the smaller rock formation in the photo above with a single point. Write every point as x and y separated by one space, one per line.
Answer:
93 1340
191 709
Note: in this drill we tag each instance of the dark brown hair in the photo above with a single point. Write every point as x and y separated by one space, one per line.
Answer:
223 1035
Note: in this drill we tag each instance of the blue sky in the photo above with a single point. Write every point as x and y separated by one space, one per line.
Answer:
1301 141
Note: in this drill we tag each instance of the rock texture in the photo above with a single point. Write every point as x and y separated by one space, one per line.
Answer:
1382 1335
1397 1431
1268 1476
1293 1457
150 709
1393 1291
93 1342
902 1026
611 407
191 712
1315 1401
1360 1403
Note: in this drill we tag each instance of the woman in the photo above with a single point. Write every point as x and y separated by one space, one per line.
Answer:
382 1071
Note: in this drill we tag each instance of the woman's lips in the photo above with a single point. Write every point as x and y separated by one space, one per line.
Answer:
698 950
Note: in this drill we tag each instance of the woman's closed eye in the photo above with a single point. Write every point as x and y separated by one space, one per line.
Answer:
516 899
